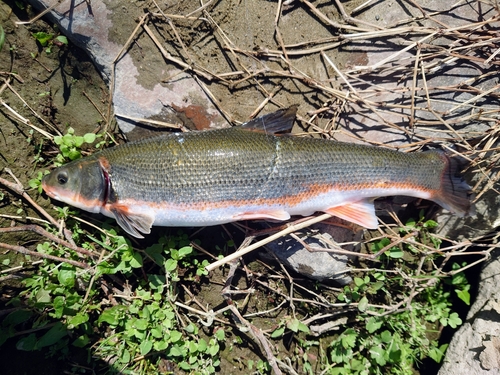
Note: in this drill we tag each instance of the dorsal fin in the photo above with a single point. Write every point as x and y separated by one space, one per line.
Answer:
276 122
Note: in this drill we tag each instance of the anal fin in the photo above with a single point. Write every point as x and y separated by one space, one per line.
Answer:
132 223
361 213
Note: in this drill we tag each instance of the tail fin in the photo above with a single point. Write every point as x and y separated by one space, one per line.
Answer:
455 194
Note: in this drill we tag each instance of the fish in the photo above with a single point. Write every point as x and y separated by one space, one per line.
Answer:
251 172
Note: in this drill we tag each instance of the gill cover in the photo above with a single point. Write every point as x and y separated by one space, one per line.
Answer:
81 183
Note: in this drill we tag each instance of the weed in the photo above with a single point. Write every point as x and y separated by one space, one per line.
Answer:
2 37
67 306
36 183
398 316
70 145
48 40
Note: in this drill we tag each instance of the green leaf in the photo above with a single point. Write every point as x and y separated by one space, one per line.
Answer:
58 304
145 347
43 38
141 324
176 351
16 317
89 137
348 338
78 141
43 296
386 336
78 319
186 250
160 346
377 353
2 37
303 327
278 332
213 350
202 345
170 265
156 253
136 261
220 334
358 281
430 224
395 253
81 341
62 39
27 343
363 304
67 275
293 325
125 357
377 285
156 332
372 324
193 347
411 223
454 320
464 295
74 154
112 315
376 246
56 333
175 336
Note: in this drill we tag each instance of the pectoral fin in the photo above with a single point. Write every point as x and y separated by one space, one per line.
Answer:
361 213
133 223
278 215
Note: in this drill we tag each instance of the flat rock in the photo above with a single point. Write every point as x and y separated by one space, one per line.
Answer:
319 262
144 86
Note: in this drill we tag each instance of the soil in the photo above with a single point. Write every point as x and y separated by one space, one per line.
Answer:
64 88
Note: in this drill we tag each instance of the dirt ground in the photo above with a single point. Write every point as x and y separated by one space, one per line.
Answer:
64 89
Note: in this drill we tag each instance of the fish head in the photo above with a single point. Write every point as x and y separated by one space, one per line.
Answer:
81 183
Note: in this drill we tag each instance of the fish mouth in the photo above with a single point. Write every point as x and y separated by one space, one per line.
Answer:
50 192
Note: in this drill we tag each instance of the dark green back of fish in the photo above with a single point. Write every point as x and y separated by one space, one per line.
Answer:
236 164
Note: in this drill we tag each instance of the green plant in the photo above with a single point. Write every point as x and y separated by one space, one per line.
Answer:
49 40
36 183
400 310
2 37
460 283
393 343
70 145
63 307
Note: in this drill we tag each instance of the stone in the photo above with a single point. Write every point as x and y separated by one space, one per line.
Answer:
474 348
102 28
318 265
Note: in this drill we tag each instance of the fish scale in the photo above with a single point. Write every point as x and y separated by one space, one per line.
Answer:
249 166
219 176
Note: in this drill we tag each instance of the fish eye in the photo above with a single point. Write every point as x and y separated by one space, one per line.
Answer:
62 178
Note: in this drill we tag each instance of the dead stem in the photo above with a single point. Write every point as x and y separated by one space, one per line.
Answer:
259 338
82 253
23 250
19 189
246 250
